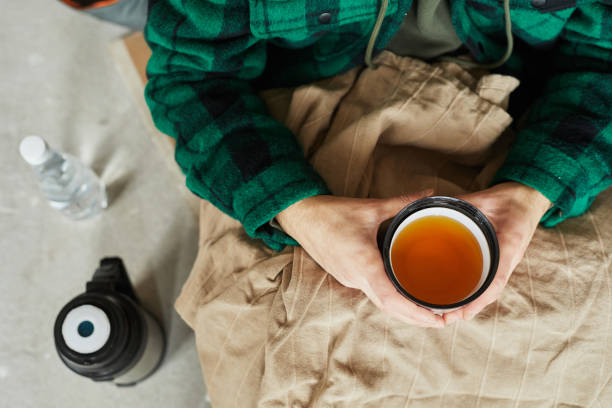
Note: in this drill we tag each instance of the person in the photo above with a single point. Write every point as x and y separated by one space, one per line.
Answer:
210 58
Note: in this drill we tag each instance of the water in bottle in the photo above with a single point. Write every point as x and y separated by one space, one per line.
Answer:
66 183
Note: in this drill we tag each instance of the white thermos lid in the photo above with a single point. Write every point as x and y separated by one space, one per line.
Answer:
86 329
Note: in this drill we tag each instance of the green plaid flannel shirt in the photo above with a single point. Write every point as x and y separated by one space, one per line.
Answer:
211 57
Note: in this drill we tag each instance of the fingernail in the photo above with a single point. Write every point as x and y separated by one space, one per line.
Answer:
427 192
451 319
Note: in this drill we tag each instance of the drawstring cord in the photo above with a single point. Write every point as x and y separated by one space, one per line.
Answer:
374 35
460 61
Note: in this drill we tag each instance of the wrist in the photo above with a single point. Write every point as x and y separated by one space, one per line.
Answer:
291 217
537 202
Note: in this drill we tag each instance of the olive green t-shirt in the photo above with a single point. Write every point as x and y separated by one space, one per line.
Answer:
426 31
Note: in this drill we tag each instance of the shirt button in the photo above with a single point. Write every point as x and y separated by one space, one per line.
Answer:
538 3
325 18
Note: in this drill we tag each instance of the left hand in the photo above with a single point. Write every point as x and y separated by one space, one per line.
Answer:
515 210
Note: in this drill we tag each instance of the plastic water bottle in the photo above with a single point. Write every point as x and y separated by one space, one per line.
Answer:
68 185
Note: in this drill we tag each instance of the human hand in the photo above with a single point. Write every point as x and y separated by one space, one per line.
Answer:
515 210
339 233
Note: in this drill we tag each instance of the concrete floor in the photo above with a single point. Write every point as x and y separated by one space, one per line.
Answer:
59 81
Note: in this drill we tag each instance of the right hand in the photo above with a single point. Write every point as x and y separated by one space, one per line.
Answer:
339 233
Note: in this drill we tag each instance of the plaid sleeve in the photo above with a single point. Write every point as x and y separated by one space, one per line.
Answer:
565 148
232 152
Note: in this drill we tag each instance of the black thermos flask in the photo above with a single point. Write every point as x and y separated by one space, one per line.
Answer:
105 334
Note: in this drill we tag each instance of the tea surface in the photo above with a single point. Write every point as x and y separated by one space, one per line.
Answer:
437 260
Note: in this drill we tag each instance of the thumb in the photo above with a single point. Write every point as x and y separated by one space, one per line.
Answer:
391 206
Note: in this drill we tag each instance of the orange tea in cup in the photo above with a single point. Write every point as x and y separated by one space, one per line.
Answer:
437 260
440 252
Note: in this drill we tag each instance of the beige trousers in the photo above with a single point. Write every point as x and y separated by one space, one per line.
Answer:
275 330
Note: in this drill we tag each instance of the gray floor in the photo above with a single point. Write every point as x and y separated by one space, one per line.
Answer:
59 81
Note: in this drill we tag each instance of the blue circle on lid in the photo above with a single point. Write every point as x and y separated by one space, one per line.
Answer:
85 328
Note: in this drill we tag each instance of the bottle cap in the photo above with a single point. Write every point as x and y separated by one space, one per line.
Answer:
34 150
